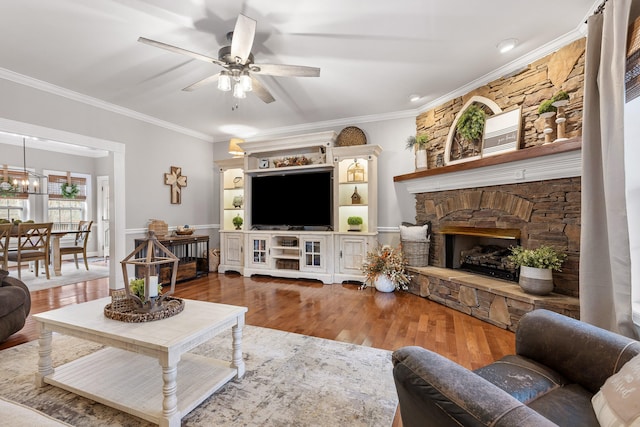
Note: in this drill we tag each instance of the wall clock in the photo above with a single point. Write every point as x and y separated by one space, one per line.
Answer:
263 163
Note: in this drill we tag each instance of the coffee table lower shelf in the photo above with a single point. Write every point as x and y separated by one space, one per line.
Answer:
132 382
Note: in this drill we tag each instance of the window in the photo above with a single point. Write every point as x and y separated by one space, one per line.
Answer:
632 153
11 208
68 200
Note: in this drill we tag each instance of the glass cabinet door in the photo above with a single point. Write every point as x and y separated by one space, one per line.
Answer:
259 255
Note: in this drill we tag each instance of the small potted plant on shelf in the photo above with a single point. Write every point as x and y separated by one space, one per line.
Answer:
536 267
237 221
355 223
419 145
384 268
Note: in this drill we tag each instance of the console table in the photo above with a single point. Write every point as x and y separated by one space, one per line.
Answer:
193 252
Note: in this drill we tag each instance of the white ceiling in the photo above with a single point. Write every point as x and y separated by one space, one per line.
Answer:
372 54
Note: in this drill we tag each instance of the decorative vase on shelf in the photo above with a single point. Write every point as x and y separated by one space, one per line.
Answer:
536 281
560 119
421 159
548 126
384 284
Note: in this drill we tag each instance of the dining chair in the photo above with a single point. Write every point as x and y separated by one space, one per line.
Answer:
80 243
5 234
33 245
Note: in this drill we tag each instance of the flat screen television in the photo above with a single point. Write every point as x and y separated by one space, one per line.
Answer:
292 201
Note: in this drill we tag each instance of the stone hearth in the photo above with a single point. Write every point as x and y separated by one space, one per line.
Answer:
495 301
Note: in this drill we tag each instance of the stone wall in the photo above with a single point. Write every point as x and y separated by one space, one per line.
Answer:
545 212
561 70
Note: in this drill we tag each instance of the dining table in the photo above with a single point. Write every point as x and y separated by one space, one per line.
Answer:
56 236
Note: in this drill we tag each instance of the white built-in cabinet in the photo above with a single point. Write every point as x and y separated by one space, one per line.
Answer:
331 256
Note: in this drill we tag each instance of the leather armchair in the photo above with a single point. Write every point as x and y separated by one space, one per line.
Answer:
15 304
560 363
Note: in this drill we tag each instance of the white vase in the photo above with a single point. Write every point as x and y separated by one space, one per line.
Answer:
536 281
384 284
421 159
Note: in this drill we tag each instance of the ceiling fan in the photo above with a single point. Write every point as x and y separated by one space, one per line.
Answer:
237 61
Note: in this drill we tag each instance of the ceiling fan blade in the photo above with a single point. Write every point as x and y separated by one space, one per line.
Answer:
261 91
202 82
286 70
179 50
242 40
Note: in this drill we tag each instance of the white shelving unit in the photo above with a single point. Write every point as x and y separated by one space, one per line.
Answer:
334 255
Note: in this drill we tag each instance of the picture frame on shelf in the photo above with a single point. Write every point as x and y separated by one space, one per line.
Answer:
502 133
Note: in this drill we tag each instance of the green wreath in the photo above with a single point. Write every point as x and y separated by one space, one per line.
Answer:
69 191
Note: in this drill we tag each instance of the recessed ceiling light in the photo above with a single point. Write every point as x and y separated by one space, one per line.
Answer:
414 97
506 45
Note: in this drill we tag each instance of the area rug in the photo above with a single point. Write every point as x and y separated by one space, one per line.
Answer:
290 380
69 275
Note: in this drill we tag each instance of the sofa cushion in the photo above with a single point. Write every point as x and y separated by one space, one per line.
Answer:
617 404
542 389
521 377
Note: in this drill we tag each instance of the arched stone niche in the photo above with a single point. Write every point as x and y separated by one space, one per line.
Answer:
454 138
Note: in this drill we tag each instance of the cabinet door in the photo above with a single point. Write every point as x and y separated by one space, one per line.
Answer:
314 253
353 251
258 251
232 251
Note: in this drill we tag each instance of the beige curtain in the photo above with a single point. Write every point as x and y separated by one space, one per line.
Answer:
605 264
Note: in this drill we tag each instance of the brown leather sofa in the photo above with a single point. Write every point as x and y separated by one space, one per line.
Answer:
560 363
15 304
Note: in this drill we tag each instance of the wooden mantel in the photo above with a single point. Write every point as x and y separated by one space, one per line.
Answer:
544 162
523 154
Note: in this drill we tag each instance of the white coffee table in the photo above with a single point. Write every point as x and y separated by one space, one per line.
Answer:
125 375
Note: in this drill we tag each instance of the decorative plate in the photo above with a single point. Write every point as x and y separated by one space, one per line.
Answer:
351 135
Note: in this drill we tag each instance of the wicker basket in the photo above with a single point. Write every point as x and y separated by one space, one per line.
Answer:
159 227
415 253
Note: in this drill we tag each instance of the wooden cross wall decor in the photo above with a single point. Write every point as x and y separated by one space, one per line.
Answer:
176 180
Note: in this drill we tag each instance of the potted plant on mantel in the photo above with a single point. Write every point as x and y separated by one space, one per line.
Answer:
536 267
385 269
419 144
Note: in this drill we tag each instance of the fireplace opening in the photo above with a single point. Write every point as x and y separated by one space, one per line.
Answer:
481 250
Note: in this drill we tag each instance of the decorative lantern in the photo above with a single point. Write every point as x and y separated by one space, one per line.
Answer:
148 259
355 172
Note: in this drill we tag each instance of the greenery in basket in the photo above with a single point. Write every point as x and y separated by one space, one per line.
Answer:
470 125
69 191
417 142
388 261
237 221
354 220
542 257
137 288
547 107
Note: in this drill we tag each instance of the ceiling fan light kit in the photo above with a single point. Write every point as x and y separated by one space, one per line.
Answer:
237 61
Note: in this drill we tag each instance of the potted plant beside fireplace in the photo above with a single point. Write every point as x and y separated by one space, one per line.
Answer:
536 267
384 268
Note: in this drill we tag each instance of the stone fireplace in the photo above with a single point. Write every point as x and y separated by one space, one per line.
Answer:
532 198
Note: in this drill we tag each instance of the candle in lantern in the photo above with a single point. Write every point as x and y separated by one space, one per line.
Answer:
153 286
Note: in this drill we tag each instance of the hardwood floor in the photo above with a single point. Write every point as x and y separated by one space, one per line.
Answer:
340 312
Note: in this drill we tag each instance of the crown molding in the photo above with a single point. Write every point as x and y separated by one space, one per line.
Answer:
95 102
